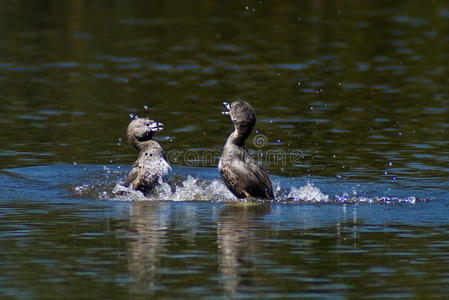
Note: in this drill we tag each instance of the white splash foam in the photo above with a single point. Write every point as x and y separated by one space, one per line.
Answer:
190 189
79 189
194 189
391 200
308 193
277 191
197 189
123 193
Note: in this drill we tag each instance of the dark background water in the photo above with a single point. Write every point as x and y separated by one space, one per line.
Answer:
345 91
352 85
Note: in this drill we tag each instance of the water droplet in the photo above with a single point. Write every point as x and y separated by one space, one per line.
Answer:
399 133
145 107
390 163
393 178
246 7
74 163
299 83
279 141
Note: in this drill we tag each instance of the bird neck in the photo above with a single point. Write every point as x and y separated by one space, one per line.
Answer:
142 146
239 136
137 141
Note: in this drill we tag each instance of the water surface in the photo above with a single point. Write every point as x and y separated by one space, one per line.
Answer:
352 107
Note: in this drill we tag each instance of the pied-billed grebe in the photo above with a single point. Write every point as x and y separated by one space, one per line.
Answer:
151 166
239 171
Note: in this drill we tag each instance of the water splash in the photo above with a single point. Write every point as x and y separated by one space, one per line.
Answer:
195 189
191 189
351 199
307 193
107 184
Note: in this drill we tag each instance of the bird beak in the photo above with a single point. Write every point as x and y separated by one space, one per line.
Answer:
228 107
156 126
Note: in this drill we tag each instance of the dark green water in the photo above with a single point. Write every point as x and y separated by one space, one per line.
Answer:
352 100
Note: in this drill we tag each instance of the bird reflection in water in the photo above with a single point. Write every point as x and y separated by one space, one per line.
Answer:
238 240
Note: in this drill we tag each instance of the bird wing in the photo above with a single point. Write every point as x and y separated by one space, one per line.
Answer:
259 176
132 175
245 177
231 179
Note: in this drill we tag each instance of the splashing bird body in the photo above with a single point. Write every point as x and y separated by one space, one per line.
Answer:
238 170
151 166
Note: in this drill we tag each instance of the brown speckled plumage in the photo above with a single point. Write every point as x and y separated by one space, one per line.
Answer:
238 170
151 166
